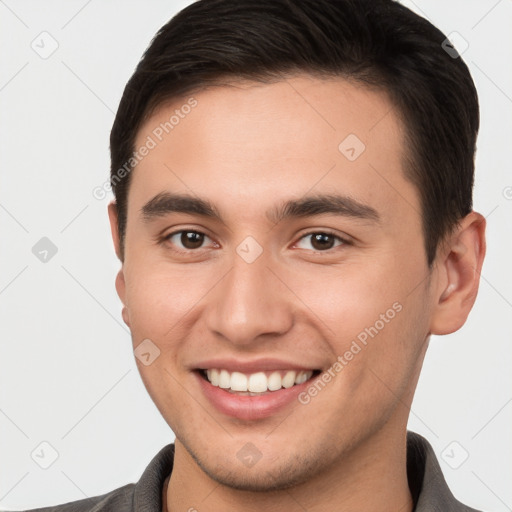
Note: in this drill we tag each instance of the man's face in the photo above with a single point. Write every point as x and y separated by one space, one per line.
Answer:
285 296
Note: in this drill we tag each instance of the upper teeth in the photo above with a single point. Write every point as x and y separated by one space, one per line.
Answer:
256 382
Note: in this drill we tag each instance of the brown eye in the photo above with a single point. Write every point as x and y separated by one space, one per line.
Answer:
191 239
187 239
321 241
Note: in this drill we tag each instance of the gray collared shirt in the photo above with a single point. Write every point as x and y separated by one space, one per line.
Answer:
428 486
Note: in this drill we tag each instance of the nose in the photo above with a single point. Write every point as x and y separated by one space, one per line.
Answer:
250 302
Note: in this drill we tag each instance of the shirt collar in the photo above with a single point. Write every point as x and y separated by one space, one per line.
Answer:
429 489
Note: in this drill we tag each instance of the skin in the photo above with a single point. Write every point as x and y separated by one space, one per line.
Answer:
247 148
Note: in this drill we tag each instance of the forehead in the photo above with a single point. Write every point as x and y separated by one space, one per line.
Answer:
253 140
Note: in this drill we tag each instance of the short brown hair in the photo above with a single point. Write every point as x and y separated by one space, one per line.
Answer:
378 43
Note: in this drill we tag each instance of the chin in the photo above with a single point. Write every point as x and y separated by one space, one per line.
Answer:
258 480
265 476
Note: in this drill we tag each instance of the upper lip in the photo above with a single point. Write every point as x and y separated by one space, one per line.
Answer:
255 365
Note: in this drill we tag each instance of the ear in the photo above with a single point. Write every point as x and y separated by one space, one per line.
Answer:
120 282
458 264
112 216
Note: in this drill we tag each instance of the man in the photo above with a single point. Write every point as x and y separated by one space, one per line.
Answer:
293 217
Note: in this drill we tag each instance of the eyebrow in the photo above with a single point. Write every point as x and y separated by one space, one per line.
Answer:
166 203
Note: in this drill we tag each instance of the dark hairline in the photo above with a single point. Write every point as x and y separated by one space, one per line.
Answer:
407 145
433 93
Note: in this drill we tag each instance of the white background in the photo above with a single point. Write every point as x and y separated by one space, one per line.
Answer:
67 371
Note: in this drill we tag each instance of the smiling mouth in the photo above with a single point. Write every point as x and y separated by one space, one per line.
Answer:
256 384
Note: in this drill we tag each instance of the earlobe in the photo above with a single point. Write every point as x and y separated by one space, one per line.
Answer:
459 266
120 282
121 292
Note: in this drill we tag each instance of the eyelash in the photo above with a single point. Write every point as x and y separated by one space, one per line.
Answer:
343 241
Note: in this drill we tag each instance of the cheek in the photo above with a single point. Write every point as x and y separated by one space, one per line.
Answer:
348 298
373 316
167 304
159 298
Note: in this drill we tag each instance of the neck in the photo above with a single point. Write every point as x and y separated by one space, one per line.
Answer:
371 477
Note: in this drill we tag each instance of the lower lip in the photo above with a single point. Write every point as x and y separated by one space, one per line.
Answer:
246 407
